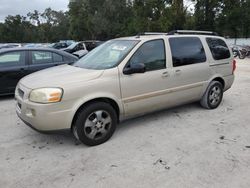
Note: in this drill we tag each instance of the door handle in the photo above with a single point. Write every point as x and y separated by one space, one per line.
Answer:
165 74
178 72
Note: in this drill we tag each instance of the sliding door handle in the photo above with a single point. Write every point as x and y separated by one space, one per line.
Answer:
165 74
178 72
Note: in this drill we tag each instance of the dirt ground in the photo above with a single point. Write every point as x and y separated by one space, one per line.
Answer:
186 146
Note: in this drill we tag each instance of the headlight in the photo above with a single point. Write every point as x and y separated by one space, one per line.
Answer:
46 95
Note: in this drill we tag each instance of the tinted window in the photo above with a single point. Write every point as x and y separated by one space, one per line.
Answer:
57 58
218 48
80 47
152 54
39 57
186 51
12 58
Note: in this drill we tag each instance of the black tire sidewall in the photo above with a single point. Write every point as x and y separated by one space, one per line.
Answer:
241 56
212 85
83 115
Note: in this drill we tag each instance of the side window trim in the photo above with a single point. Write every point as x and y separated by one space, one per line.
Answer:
165 56
26 58
53 58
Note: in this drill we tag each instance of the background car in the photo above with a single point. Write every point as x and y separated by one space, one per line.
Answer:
34 45
77 48
61 44
16 63
10 45
240 51
74 47
91 44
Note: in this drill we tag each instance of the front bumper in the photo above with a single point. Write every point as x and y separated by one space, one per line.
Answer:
42 117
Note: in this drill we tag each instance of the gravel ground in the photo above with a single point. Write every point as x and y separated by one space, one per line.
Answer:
187 146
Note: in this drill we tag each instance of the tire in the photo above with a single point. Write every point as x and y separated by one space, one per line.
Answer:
242 56
235 54
95 123
213 95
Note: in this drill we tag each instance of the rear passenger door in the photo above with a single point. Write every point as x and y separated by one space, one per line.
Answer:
190 67
39 59
13 66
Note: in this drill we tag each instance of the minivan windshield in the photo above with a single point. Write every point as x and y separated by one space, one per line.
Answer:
107 55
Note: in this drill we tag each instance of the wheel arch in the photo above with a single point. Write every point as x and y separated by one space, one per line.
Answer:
218 78
108 100
221 80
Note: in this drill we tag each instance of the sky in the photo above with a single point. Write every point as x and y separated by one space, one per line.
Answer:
22 7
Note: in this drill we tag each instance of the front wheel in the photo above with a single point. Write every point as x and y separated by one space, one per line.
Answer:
95 123
213 95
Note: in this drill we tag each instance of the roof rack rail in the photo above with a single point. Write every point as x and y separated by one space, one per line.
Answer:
150 33
192 32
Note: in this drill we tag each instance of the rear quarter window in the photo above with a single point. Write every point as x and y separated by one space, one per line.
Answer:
218 48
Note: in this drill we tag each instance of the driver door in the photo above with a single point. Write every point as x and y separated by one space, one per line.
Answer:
144 92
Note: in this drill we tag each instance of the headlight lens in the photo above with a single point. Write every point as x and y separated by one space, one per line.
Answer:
46 95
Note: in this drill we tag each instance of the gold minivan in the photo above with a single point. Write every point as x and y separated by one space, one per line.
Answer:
126 77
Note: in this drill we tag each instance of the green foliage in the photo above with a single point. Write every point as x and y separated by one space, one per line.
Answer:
105 19
48 26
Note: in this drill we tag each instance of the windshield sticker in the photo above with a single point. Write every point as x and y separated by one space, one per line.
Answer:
119 48
114 55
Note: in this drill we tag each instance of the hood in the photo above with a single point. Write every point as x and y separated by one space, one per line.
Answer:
59 76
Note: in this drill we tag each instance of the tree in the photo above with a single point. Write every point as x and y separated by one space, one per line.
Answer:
101 19
205 14
105 19
179 14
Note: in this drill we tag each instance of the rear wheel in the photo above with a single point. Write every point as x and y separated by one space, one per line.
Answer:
95 123
213 95
242 55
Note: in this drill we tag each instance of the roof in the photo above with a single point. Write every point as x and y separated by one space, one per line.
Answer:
176 33
37 48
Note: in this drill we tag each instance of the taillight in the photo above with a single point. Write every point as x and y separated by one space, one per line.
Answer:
234 65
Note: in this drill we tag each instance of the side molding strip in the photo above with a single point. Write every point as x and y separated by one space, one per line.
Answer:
162 92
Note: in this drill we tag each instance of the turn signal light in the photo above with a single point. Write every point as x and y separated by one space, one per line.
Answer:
234 65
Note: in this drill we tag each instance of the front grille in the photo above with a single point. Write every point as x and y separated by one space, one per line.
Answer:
20 93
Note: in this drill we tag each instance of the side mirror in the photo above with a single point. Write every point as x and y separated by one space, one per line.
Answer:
135 68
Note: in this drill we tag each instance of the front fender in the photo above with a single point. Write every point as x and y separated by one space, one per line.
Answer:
87 98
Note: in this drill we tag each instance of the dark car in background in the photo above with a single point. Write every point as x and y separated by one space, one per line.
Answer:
16 63
61 44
